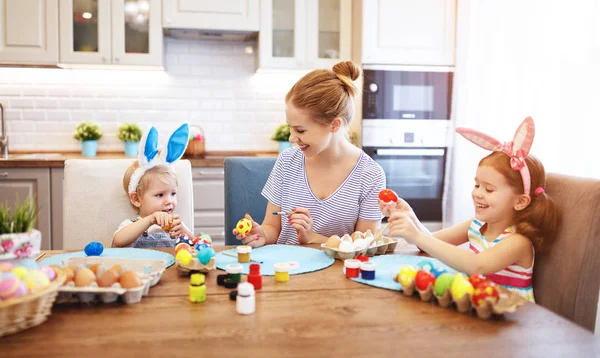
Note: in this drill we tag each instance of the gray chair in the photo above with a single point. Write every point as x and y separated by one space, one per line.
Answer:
245 178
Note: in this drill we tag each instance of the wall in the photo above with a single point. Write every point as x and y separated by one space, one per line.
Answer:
212 84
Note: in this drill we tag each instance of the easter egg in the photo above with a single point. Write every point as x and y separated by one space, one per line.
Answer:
438 271
36 279
6 267
423 279
94 248
12 287
443 283
20 272
182 246
388 195
425 265
207 238
48 271
205 255
485 291
184 239
167 228
200 245
460 287
406 275
244 226
183 257
477 280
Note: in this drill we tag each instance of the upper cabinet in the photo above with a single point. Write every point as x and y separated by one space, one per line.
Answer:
304 34
117 32
232 15
408 32
29 31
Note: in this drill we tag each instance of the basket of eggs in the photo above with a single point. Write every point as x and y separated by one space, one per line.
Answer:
27 295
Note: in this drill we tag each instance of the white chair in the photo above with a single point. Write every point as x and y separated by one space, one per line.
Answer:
95 202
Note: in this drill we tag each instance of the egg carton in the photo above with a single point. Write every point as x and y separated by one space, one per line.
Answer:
508 301
388 246
152 268
196 266
72 294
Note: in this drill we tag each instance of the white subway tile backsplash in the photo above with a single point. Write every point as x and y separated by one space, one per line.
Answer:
211 84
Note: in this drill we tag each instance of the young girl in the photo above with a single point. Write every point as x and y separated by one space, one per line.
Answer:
513 216
151 185
324 185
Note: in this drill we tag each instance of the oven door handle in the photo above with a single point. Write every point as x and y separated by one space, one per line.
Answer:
411 152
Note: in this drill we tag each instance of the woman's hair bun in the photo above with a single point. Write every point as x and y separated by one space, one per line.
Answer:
347 69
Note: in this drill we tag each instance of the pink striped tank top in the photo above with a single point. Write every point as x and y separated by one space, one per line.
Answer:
514 277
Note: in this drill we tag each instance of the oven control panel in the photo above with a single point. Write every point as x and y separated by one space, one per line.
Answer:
400 133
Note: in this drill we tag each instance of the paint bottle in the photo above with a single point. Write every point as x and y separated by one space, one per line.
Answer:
367 270
254 277
352 268
234 271
245 299
282 272
243 253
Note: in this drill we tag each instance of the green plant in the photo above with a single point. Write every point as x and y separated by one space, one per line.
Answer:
19 220
129 132
282 133
87 131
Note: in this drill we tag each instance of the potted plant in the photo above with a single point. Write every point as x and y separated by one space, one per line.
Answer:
130 134
196 144
88 133
282 135
18 238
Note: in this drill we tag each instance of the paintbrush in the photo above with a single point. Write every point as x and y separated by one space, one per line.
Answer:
288 213
379 233
231 254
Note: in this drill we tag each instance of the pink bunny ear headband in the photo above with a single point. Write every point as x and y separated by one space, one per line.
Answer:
517 150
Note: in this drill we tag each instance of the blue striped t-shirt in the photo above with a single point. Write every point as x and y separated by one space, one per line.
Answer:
287 187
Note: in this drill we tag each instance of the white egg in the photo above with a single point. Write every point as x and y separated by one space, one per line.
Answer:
347 238
360 244
368 233
346 246
369 239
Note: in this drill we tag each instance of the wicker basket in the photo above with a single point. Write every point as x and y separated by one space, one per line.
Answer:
195 148
24 312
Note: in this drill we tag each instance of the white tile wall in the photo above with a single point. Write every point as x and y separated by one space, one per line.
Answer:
211 84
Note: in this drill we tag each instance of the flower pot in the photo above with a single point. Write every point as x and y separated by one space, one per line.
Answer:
21 245
131 148
89 147
284 145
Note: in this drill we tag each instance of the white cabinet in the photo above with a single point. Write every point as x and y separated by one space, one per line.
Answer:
304 34
209 202
408 32
34 183
233 15
29 31
117 32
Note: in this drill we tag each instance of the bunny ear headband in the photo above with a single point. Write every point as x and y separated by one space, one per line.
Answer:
147 154
517 150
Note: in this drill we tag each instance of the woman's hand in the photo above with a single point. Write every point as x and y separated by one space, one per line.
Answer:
301 220
403 225
255 238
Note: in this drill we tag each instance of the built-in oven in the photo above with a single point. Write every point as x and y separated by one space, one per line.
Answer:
407 92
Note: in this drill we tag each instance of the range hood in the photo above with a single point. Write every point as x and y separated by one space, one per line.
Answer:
222 35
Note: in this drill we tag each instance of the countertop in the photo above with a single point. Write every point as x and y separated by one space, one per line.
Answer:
57 160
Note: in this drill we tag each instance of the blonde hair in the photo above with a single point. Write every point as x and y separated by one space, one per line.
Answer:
327 94
540 220
159 172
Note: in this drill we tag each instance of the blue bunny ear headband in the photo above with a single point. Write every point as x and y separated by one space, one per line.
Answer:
148 151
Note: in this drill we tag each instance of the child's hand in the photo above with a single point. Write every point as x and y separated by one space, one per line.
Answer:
402 224
255 238
400 206
301 220
177 229
162 219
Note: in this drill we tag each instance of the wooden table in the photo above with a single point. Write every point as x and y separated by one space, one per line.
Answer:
312 315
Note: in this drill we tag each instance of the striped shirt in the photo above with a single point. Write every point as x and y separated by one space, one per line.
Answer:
288 188
514 277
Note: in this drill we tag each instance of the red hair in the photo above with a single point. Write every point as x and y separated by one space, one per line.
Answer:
540 220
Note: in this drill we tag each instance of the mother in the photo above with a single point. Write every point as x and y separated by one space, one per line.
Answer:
325 185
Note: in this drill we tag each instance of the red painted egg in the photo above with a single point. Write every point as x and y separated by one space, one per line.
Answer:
484 291
388 195
424 279
183 246
477 280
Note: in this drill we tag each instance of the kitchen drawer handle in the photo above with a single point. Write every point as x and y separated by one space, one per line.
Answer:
4 174
202 173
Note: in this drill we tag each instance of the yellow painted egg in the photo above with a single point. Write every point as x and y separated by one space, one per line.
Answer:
406 275
183 257
20 272
84 277
244 226
36 279
460 287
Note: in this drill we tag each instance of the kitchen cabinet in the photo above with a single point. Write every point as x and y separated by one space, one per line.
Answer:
231 15
116 32
57 177
304 34
29 32
209 202
34 183
407 32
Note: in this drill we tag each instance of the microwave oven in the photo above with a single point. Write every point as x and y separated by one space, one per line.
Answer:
399 92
